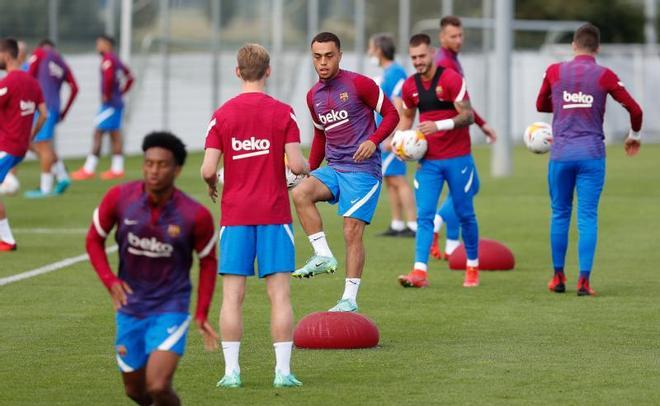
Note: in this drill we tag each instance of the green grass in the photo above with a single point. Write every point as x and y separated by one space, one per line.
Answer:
507 342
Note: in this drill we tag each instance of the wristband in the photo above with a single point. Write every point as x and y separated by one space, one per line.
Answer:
634 135
445 125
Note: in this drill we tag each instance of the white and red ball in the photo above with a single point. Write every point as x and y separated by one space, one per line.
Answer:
409 145
538 137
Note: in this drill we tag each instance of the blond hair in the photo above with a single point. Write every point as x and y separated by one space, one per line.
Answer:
253 61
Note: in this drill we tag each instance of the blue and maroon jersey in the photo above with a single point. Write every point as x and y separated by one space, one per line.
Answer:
113 71
49 68
435 101
576 92
156 246
342 110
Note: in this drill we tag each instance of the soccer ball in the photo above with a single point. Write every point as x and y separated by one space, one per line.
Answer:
10 186
292 180
409 145
538 137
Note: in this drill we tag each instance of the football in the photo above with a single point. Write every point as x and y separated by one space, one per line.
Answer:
538 137
409 145
10 186
292 180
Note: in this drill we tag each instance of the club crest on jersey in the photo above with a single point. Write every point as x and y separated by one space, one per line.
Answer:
173 230
438 90
343 96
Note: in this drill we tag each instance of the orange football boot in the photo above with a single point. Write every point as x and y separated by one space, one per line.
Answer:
415 279
471 277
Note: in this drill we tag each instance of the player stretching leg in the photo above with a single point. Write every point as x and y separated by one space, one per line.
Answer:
342 105
576 92
20 97
158 229
445 114
49 68
254 132
109 118
451 42
381 52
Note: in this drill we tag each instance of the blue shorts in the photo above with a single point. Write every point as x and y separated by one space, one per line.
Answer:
356 192
271 245
47 131
392 165
109 118
137 338
7 163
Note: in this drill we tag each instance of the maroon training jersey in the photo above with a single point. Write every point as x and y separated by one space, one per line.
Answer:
251 130
20 96
435 101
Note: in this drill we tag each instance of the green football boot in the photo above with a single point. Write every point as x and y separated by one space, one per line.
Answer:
316 265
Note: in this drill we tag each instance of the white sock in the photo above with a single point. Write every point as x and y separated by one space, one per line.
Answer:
437 223
117 164
46 184
472 263
420 266
398 225
59 170
351 289
5 232
412 225
320 244
283 357
230 350
451 245
90 163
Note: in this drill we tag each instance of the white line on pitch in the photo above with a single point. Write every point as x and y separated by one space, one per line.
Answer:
49 268
49 230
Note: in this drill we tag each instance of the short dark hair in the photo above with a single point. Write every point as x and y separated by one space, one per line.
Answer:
587 37
107 38
419 39
168 141
450 20
46 42
385 42
326 37
9 45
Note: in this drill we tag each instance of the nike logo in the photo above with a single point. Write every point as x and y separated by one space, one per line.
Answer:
171 330
354 200
130 222
464 170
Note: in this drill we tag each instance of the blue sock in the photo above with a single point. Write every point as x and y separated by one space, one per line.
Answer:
585 275
559 270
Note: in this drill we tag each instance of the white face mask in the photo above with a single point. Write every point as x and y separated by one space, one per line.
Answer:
373 60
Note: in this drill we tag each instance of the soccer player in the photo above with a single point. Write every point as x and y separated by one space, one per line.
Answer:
576 92
381 52
451 42
445 113
20 98
48 66
116 81
342 106
254 132
158 229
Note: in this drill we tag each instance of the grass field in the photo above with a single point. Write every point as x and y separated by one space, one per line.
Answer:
509 341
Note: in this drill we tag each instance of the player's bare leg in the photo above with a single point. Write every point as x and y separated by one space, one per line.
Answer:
117 166
397 224
407 200
135 386
47 157
231 327
353 233
160 373
89 168
305 196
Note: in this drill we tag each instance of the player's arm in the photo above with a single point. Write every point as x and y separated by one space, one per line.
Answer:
317 150
107 79
205 246
212 155
43 113
130 79
457 91
544 98
372 95
71 81
34 62
408 107
103 220
294 157
489 132
615 87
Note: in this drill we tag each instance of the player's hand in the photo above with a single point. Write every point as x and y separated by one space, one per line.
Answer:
490 134
213 192
364 151
427 127
631 146
209 335
119 292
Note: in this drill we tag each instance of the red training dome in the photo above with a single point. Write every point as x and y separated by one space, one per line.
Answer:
493 256
335 330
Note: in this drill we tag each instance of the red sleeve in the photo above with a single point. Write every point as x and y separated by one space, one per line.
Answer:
104 219
108 78
205 242
74 91
614 86
213 138
407 94
544 99
35 61
317 151
292 130
4 92
372 95
129 79
455 88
